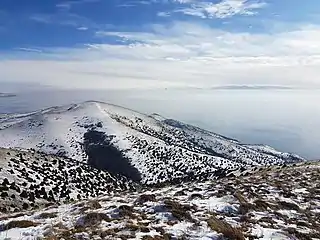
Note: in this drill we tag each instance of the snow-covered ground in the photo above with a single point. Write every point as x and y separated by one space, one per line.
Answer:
161 150
274 203
30 180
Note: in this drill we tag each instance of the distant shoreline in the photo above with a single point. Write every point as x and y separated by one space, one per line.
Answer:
4 95
247 87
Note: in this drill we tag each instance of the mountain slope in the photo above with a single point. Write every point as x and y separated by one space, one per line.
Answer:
274 203
29 179
150 149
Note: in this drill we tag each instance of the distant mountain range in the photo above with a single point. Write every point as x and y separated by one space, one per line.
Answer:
252 87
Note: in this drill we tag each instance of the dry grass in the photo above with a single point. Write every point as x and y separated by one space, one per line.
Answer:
51 238
196 195
137 227
288 206
126 211
240 198
261 205
245 206
60 225
13 216
179 211
180 193
94 204
146 198
46 215
226 229
67 234
91 219
253 199
107 233
303 236
267 220
20 224
164 237
160 230
90 205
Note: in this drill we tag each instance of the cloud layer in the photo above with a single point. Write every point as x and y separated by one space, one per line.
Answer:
177 55
223 9
171 53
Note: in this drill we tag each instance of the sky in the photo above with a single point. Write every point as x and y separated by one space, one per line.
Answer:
120 44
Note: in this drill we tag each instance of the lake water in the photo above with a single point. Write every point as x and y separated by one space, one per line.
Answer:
288 120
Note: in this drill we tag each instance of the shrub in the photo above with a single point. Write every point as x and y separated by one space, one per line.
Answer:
94 204
135 227
46 215
179 211
90 205
91 219
261 205
245 206
226 229
20 224
146 198
288 205
196 195
126 211
155 237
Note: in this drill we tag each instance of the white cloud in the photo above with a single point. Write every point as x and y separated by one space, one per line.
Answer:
66 19
135 3
164 14
184 1
82 28
41 18
195 11
222 9
191 40
181 54
69 4
228 8
29 50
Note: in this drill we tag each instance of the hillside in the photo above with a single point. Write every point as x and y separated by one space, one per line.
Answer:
147 149
29 179
273 203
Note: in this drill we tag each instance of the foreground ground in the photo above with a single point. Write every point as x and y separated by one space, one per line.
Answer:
275 203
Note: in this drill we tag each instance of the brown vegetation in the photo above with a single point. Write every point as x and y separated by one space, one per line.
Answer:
225 228
126 211
20 224
91 219
179 211
46 215
146 198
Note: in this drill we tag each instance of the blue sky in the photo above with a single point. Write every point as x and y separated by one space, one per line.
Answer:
129 43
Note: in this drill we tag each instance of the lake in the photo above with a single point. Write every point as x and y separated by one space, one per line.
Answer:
288 120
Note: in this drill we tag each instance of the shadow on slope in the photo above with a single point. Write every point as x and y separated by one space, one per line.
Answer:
104 156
